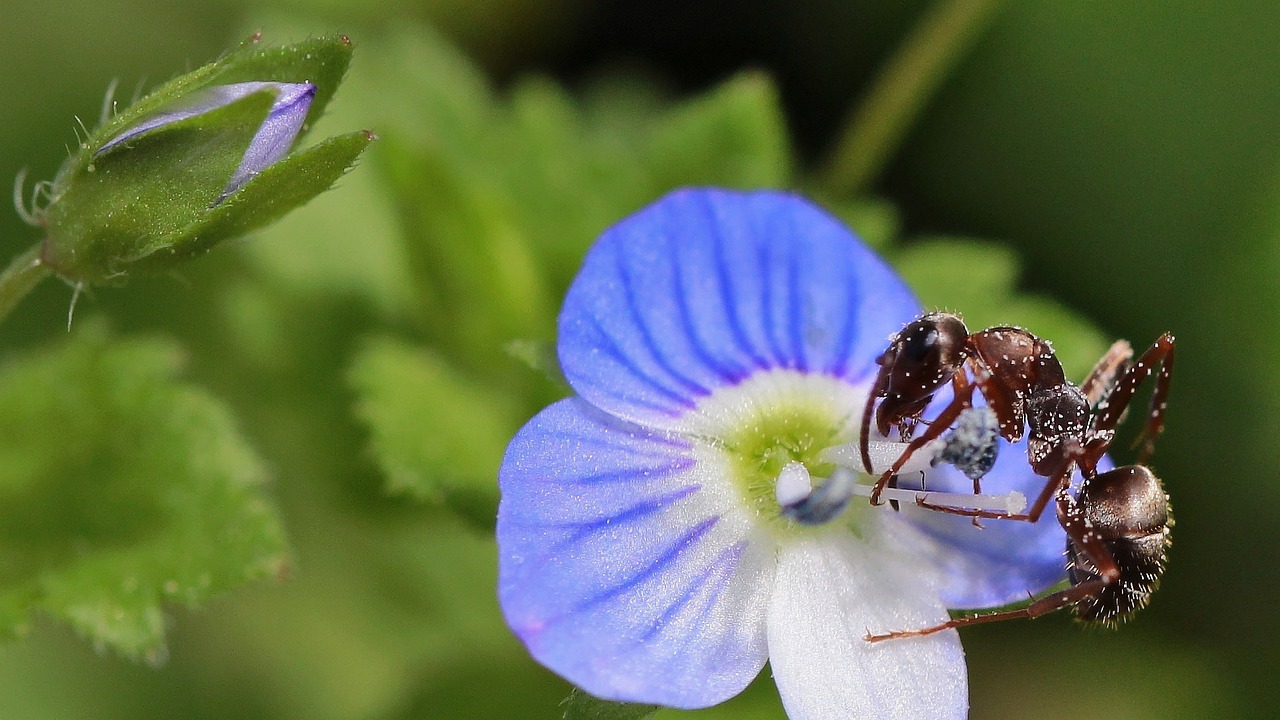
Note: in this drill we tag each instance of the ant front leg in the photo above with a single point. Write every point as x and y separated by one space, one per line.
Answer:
1101 430
864 434
962 400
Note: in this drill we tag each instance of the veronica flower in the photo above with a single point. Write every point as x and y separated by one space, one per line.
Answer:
717 342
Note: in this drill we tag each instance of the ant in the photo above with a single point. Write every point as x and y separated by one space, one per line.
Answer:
1024 385
1118 522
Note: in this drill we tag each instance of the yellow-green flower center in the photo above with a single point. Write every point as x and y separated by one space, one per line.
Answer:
760 426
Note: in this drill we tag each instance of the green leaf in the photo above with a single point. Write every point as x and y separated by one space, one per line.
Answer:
437 434
581 706
146 493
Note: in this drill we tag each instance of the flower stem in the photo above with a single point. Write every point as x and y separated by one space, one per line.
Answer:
877 125
23 274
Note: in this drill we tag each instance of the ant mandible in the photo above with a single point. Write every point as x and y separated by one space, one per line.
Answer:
1118 522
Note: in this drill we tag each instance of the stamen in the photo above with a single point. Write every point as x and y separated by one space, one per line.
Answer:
884 453
1011 504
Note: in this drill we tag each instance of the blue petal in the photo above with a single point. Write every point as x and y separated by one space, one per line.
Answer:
625 564
1004 560
707 287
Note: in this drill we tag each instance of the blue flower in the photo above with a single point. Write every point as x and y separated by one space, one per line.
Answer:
717 341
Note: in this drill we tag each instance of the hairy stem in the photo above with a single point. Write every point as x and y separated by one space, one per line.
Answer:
877 125
23 274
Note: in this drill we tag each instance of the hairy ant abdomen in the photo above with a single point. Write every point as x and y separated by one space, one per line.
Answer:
1129 510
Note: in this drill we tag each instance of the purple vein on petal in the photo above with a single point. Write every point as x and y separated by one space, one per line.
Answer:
609 443
796 313
727 293
698 587
582 529
655 350
610 346
844 345
614 518
659 564
766 307
644 473
728 371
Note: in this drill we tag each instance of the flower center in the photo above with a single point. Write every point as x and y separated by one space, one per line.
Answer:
773 419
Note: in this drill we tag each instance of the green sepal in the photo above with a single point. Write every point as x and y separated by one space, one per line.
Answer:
271 194
581 706
138 198
322 61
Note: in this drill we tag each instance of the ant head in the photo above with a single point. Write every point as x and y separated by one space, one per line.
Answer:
933 339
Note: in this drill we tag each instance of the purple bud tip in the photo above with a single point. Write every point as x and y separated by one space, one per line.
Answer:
275 136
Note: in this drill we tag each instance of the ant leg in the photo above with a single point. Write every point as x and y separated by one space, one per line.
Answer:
1103 377
963 399
1081 536
864 435
1044 605
1113 405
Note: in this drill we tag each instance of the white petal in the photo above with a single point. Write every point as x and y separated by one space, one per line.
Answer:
830 591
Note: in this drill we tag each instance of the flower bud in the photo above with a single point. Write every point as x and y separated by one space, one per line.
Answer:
204 158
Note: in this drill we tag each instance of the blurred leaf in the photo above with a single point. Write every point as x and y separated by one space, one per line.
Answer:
977 279
122 489
437 434
541 357
877 222
581 706
734 136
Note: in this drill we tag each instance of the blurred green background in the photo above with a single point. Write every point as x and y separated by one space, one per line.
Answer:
1126 156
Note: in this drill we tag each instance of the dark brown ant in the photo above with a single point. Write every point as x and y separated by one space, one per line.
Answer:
1118 522
1024 385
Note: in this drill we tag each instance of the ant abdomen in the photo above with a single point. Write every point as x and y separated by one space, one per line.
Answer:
1129 510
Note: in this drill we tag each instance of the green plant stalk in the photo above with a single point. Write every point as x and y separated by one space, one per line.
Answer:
877 125
24 273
